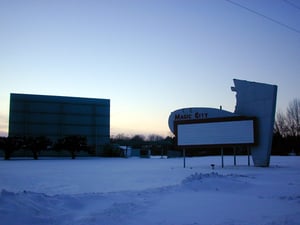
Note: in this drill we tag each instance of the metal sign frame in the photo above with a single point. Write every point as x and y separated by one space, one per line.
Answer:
215 121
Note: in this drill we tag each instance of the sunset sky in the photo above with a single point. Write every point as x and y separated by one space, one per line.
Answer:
149 57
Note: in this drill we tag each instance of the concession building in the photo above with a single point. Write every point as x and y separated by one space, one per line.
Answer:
56 117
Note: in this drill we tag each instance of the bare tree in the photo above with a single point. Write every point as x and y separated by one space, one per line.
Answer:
137 141
280 126
72 143
293 118
36 144
9 145
154 138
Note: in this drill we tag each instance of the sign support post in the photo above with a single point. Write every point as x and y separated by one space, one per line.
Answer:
184 158
222 154
234 156
248 151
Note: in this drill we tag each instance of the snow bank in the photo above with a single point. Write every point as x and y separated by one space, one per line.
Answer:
149 191
216 182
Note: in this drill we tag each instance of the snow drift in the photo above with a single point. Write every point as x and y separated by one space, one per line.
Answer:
149 191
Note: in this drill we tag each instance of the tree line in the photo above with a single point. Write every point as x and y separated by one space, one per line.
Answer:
76 143
73 144
158 145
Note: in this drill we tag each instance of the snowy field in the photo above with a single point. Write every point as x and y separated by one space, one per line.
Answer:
134 191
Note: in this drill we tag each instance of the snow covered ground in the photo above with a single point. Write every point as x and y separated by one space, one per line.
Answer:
134 191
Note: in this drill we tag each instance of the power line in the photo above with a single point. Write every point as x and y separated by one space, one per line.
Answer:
292 4
264 16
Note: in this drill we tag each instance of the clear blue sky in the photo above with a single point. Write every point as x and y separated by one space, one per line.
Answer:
148 57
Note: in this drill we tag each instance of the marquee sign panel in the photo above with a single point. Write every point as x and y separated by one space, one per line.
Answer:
228 131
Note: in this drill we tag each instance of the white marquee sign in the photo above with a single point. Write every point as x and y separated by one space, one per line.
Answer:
227 131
